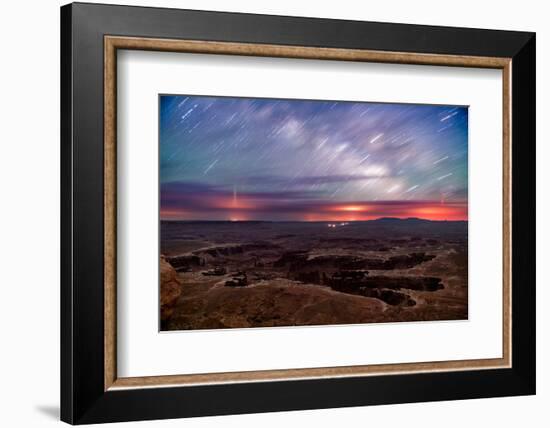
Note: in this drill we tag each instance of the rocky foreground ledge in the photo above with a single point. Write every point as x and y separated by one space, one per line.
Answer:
170 289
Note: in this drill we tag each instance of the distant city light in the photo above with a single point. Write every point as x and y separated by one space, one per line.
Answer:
332 225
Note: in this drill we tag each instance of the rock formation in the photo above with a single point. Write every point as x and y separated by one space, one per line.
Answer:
170 289
184 263
240 279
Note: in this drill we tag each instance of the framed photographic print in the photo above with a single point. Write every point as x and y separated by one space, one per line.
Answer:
266 213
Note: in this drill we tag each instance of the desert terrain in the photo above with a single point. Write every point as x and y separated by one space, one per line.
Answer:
267 274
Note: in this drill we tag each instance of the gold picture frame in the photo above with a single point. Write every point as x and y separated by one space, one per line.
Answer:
114 43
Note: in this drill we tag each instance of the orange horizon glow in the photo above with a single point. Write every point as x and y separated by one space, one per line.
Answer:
223 209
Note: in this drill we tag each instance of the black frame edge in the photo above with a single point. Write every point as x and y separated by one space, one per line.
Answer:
524 214
297 30
66 306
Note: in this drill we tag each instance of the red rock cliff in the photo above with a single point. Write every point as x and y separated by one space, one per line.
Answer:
170 289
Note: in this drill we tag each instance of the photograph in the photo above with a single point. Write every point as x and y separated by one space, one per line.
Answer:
291 212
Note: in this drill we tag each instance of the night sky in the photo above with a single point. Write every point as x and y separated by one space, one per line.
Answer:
241 159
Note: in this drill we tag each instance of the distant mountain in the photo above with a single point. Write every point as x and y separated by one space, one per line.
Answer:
381 220
401 220
394 220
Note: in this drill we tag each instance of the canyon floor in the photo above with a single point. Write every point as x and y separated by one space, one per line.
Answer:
267 274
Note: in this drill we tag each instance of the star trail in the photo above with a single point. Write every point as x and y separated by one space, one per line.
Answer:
224 158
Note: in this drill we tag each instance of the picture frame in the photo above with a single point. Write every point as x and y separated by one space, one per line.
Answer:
91 390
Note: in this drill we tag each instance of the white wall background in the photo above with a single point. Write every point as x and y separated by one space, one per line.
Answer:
29 226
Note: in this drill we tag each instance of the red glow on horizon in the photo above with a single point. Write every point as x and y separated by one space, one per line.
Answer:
250 209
